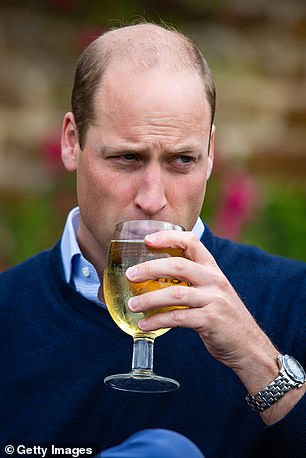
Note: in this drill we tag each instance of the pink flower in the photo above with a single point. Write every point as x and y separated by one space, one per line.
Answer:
51 150
238 205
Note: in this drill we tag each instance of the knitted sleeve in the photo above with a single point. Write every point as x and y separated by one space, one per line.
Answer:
288 436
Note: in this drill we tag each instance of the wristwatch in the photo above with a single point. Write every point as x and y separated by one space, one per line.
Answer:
291 375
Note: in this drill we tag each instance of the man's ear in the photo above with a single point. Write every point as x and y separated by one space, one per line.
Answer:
70 143
210 160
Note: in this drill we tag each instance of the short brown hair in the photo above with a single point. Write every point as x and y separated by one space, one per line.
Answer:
97 57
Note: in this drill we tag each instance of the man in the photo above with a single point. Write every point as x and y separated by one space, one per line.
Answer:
141 139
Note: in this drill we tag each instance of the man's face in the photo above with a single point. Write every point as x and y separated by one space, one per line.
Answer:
146 156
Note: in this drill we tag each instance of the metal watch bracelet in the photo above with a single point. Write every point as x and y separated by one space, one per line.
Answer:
291 375
269 395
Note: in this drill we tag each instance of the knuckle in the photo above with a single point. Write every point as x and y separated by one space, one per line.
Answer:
223 283
193 238
179 265
223 301
146 300
218 278
177 292
210 317
176 316
218 305
190 237
147 268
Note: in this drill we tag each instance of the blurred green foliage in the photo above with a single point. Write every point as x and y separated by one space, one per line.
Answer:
280 227
33 222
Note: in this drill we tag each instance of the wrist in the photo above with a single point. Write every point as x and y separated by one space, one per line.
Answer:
258 368
283 406
271 400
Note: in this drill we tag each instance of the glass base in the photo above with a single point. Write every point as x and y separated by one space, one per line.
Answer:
141 382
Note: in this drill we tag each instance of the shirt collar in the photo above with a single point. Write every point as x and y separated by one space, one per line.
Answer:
198 228
69 245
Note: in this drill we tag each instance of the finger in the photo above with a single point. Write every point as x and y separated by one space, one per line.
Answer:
193 248
176 318
180 296
174 267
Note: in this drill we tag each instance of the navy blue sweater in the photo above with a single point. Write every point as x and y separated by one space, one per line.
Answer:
56 347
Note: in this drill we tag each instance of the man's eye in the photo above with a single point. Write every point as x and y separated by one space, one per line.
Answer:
129 157
185 159
183 163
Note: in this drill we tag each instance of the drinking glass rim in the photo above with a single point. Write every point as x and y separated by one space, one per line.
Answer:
149 221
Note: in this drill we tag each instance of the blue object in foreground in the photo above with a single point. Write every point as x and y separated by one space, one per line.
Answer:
153 443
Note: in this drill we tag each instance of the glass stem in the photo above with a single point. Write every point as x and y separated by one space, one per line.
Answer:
143 355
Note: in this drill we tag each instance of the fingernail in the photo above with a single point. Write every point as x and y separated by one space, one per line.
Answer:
142 324
131 272
151 238
133 303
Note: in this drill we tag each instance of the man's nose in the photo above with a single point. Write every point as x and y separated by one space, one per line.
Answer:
151 193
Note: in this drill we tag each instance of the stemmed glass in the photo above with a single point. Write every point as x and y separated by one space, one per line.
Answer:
127 248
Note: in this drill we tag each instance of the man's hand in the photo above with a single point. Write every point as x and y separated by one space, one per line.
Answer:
214 309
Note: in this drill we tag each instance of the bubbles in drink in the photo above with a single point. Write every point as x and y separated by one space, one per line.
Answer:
118 290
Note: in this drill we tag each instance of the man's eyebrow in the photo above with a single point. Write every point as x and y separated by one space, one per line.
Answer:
107 150
181 149
117 149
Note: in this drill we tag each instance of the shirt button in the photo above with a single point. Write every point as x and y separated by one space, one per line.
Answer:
85 271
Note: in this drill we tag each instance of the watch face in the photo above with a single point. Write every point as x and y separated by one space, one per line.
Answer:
294 369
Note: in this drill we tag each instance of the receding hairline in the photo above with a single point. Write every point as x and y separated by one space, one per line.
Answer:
142 47
146 45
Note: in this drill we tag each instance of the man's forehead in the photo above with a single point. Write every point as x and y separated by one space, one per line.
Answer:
123 77
156 98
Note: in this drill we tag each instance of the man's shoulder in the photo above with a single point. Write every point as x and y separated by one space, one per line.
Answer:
27 271
25 266
25 285
243 257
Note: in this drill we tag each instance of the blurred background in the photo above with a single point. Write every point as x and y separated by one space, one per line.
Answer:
256 50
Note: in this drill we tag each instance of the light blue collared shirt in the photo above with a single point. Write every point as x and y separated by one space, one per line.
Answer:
77 269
